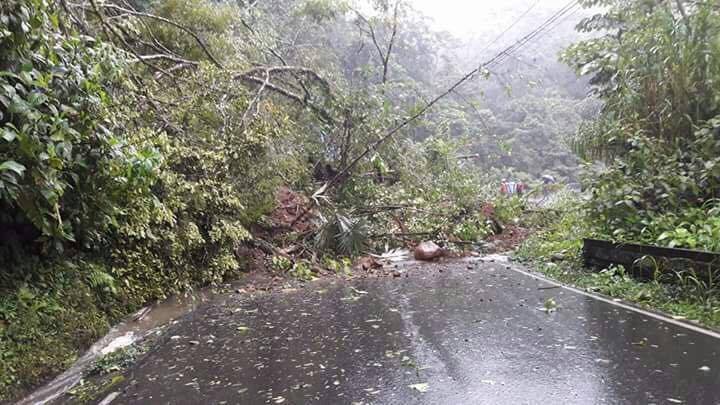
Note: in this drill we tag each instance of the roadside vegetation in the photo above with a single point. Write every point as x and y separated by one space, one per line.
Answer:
652 172
555 250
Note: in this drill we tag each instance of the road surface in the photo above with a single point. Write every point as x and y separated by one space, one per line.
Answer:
448 333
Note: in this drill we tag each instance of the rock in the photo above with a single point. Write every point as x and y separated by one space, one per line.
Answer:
557 257
491 246
428 251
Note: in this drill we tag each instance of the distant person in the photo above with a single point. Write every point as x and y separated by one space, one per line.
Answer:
510 188
547 181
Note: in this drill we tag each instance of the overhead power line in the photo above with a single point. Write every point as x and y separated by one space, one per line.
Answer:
543 28
421 111
491 43
556 23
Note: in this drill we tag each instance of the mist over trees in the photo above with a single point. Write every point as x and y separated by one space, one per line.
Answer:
516 119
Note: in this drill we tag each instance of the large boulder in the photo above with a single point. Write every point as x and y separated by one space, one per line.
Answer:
428 251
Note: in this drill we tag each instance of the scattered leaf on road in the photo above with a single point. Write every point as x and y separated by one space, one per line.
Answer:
421 387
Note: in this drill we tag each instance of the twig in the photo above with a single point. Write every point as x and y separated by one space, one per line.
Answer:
256 98
197 38
402 125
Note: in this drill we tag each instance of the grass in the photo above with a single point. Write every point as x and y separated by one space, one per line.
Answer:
44 329
52 314
555 251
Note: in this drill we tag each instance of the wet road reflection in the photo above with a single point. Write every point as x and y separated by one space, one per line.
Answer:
470 334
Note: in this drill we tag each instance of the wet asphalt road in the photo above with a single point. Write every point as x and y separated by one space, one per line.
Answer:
471 334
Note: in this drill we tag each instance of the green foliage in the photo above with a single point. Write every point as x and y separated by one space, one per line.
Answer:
302 271
561 230
695 228
281 263
211 21
508 209
342 234
66 165
432 195
323 10
657 71
115 361
299 269
659 194
44 323
472 229
340 266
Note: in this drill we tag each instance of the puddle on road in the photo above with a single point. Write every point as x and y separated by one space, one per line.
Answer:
137 326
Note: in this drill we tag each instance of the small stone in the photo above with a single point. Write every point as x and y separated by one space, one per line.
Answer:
557 257
194 342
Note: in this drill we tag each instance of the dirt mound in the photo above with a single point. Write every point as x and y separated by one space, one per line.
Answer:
293 212
510 238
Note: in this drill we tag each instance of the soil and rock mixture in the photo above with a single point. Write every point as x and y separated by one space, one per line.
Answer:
511 237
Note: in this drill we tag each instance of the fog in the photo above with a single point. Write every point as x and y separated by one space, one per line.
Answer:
479 19
532 101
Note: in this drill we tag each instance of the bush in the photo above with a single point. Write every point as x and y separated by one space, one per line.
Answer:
66 166
660 193
134 203
562 235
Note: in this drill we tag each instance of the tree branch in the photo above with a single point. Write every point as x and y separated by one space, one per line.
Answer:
135 13
386 61
685 17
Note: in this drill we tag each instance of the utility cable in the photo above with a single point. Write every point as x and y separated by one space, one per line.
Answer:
556 23
491 43
544 27
422 110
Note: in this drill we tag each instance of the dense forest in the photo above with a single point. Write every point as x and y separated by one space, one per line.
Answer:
146 146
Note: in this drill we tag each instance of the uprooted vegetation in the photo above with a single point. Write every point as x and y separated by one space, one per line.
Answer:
150 148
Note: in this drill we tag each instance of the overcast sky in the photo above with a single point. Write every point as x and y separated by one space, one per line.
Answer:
472 18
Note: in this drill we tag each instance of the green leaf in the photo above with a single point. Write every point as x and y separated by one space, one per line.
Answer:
12 166
9 135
